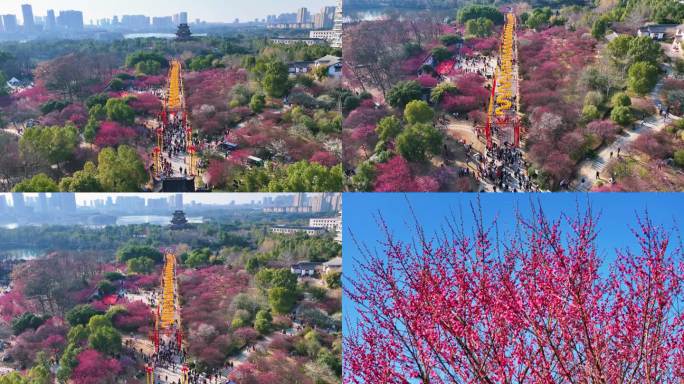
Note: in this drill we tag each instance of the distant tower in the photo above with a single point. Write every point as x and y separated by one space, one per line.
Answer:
42 202
183 33
298 200
302 15
10 23
18 202
339 17
183 18
337 28
27 12
178 221
50 21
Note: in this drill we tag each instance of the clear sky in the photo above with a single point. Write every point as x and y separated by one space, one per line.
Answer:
617 212
209 10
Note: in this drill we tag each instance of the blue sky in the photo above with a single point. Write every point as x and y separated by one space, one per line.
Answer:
209 10
617 212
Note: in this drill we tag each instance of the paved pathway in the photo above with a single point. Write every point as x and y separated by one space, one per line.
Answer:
586 176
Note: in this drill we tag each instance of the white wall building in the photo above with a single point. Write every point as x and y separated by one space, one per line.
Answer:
333 36
290 230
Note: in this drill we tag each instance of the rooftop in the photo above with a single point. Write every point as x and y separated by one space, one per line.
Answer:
328 60
298 227
305 265
335 261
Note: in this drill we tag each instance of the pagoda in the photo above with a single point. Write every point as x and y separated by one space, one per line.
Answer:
178 221
183 33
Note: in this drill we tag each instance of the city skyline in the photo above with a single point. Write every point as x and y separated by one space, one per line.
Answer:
82 199
206 10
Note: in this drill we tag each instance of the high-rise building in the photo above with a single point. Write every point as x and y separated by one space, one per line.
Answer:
3 204
333 36
50 21
10 23
179 201
42 202
302 15
131 203
64 202
157 204
339 19
319 21
176 19
27 12
72 20
329 16
183 16
319 202
162 22
18 202
2 25
334 201
298 200
135 21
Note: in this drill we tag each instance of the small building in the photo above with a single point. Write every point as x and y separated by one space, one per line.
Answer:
333 265
334 37
298 67
226 147
333 63
306 268
332 224
255 161
327 61
292 229
329 223
296 40
14 82
183 33
291 26
659 31
178 221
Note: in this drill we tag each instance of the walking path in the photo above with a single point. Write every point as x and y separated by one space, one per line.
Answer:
586 176
169 369
176 143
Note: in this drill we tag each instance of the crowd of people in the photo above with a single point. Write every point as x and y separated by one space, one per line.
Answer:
174 137
505 168
480 64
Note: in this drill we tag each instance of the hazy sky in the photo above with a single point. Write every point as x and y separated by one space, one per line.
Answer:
209 10
205 198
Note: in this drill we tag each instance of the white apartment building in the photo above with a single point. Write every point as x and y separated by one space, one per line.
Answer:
290 230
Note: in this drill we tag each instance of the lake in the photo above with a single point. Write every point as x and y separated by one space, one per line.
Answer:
381 13
121 220
157 35
20 253
151 219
